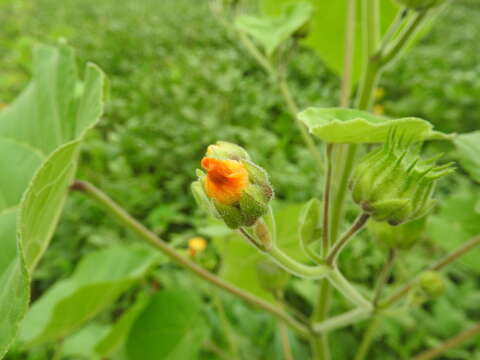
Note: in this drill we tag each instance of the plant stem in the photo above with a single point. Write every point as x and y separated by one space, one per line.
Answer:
393 29
404 37
340 244
349 43
320 344
296 268
287 349
125 219
368 337
342 320
448 259
326 200
383 276
449 344
256 54
347 289
320 315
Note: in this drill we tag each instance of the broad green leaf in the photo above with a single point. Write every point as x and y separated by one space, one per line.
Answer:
456 222
82 343
468 146
327 29
170 328
118 333
40 136
340 125
270 32
98 280
240 259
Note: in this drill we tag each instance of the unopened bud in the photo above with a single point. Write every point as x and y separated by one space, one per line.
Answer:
432 283
226 150
237 189
393 189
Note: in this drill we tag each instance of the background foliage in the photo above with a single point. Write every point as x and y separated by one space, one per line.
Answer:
179 81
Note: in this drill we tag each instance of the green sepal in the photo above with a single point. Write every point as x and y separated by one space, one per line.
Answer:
253 204
259 176
227 150
394 211
230 214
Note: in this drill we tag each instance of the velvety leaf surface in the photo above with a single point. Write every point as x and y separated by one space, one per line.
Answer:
270 32
40 135
98 280
170 328
468 146
339 125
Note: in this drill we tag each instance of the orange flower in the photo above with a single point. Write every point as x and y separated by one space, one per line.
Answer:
226 179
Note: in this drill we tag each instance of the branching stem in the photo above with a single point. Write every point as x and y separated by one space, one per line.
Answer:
125 219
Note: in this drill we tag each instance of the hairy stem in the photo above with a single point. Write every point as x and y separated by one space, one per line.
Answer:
340 244
125 219
407 34
368 337
450 343
384 275
296 268
326 200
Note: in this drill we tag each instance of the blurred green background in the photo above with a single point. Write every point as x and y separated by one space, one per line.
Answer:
179 81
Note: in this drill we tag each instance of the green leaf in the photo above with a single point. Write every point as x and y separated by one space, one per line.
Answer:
97 282
82 343
40 136
340 125
118 333
240 259
270 32
327 29
457 222
170 328
468 146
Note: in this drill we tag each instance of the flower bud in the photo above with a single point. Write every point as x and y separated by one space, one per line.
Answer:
432 283
403 236
226 150
392 188
233 189
420 4
271 276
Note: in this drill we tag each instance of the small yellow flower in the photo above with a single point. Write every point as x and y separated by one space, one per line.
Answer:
226 180
196 245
